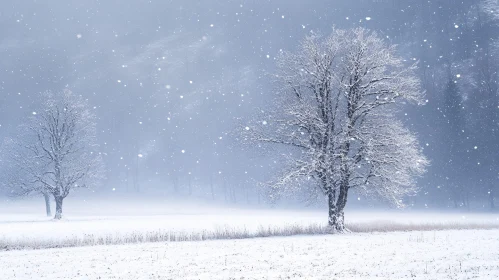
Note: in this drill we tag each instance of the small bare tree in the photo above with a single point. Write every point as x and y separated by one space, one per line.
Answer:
336 113
48 210
56 151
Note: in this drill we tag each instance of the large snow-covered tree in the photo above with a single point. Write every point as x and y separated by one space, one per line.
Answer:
336 111
56 150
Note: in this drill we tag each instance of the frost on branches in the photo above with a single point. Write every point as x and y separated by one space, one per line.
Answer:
336 111
56 151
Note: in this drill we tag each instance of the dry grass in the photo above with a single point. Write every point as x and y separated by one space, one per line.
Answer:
387 226
228 233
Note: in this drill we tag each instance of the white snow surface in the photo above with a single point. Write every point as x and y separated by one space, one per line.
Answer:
19 221
470 254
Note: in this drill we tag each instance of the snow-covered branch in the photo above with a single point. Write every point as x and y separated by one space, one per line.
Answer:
336 104
56 151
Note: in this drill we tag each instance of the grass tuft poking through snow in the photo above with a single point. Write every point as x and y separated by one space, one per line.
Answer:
226 233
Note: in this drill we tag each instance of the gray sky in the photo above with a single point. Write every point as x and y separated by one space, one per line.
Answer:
170 79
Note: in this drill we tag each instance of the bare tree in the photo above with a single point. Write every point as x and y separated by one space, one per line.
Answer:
336 114
56 151
48 210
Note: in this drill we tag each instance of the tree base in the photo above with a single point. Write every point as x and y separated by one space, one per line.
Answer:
336 230
336 222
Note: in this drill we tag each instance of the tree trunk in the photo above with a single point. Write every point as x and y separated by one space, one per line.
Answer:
225 190
336 218
232 192
190 186
136 183
47 204
491 199
247 195
175 183
58 208
127 179
468 200
212 188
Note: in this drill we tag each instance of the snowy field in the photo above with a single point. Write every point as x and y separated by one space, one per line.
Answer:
409 255
446 254
21 223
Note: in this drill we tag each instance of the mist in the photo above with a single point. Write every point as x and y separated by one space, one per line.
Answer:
169 139
171 83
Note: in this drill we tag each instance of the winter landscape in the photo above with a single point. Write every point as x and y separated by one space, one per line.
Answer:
249 139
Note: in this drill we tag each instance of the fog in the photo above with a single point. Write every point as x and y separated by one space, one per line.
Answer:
171 82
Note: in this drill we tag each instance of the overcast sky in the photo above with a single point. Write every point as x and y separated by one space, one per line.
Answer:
169 80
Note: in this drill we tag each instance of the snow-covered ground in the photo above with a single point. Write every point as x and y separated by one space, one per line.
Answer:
40 228
464 254
410 255
20 221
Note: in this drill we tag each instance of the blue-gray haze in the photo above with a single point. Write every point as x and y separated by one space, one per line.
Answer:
170 79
